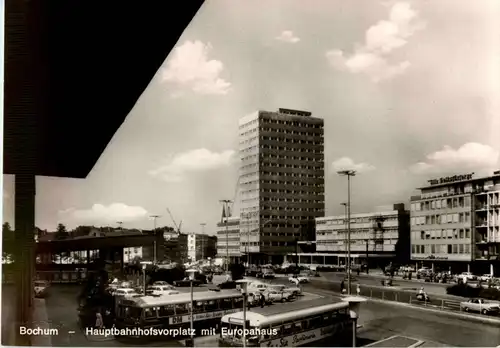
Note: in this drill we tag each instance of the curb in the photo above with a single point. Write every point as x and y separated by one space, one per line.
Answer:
430 309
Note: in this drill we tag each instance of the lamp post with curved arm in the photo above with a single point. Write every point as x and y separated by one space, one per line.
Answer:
348 173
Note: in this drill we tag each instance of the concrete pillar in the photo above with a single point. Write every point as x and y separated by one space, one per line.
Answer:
338 260
24 236
312 260
324 260
298 260
432 266
492 270
468 267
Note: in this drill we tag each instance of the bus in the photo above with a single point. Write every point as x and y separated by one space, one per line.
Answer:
173 311
327 325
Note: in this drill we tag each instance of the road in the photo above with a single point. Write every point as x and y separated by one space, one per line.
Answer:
431 288
379 321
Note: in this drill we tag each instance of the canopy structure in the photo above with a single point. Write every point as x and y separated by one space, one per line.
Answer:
73 71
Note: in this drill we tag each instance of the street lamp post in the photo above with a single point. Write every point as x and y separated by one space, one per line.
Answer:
154 217
191 273
202 241
144 279
244 282
345 226
348 173
225 203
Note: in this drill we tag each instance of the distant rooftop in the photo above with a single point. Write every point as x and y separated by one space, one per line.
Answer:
294 112
458 179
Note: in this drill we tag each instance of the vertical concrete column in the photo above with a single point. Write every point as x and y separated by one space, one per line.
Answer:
468 267
492 270
24 255
432 266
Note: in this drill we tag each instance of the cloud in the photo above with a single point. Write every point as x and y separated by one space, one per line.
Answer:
345 163
287 36
470 156
381 39
101 214
190 68
192 161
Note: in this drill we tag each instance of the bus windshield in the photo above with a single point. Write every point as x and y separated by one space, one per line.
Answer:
129 312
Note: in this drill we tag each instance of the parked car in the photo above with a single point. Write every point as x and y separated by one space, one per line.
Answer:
266 274
485 277
125 292
224 286
158 290
294 290
481 306
161 283
468 275
279 296
257 286
186 282
41 288
300 279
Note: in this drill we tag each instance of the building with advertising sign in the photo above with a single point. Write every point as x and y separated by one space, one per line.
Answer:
455 224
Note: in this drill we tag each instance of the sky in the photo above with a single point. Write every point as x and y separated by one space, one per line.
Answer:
408 91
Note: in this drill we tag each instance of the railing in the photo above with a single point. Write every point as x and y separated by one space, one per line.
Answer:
407 296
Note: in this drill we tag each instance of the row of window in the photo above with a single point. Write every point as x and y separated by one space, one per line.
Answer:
278 199
359 220
256 147
263 174
358 231
254 158
278 165
290 192
295 328
454 233
358 242
264 121
441 249
446 203
282 183
293 132
440 219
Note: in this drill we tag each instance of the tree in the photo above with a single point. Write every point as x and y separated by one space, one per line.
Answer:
8 240
61 232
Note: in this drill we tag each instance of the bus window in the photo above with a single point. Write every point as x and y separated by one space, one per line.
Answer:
211 305
150 313
238 302
316 322
166 311
198 307
181 308
134 313
226 303
326 318
305 324
266 335
287 329
279 330
297 327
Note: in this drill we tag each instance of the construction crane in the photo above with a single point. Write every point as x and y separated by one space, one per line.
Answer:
178 227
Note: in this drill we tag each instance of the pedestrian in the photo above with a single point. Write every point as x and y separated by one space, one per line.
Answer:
358 270
262 300
98 320
342 287
358 290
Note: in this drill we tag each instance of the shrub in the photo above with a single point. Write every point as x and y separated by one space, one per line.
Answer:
490 294
463 290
